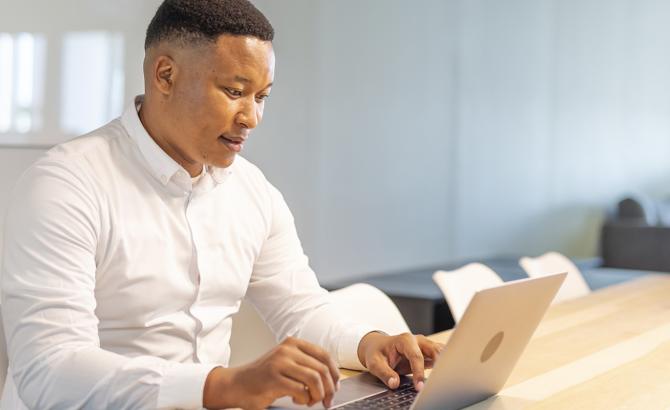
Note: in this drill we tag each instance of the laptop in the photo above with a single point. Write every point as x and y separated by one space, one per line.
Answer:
476 361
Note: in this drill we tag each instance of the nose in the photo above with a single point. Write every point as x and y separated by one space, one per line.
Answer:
249 114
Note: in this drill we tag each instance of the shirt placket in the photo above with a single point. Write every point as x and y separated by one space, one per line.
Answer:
195 271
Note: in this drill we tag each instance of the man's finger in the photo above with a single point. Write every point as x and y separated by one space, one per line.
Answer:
378 365
296 390
322 356
429 348
408 347
310 378
324 372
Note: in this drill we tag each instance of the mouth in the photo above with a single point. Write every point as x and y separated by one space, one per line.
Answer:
233 144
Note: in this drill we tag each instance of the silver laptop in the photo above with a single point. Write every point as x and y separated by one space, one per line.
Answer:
477 360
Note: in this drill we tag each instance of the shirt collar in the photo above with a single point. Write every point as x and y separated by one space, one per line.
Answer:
220 174
161 165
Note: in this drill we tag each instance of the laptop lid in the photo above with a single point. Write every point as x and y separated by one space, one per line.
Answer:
487 342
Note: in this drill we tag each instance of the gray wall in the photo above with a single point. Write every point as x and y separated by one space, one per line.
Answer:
406 133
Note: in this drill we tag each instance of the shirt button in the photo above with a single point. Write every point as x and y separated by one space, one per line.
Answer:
164 179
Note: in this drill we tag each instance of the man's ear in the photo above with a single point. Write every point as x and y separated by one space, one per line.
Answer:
165 72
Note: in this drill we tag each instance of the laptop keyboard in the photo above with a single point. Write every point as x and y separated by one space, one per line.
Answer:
401 398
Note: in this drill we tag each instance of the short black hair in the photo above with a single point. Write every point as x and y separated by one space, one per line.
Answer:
191 21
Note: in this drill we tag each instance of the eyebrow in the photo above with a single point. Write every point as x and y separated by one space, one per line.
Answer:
242 79
247 81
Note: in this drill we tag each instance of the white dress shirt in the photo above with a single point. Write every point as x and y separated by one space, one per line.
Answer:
119 277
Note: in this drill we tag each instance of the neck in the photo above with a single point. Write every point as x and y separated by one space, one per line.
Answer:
151 120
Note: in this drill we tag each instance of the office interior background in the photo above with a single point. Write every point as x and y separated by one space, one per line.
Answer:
401 133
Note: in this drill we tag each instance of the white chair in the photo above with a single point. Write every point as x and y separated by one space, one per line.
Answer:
553 262
366 304
460 285
361 302
4 360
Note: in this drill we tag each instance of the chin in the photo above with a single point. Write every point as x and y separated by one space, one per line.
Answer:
224 162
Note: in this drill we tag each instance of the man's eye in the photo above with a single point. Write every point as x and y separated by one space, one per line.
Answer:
262 97
233 92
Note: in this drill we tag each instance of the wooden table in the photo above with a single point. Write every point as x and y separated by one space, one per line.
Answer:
608 350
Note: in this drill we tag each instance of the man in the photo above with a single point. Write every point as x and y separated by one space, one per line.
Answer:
128 250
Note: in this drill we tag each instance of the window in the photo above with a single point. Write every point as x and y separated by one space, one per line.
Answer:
92 80
22 64
86 85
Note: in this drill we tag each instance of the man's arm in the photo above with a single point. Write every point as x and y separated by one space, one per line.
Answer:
286 293
48 301
289 298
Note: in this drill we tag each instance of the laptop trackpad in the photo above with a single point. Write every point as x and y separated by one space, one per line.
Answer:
352 388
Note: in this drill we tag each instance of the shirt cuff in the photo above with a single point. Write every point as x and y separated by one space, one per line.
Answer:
347 351
183 385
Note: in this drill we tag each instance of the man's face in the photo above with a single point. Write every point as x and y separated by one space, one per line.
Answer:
218 98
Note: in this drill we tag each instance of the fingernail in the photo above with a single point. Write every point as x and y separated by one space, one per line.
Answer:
338 385
419 386
391 382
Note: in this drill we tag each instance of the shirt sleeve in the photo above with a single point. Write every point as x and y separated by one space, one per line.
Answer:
287 295
48 303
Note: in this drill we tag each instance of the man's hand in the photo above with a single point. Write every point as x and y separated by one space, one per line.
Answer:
387 356
294 368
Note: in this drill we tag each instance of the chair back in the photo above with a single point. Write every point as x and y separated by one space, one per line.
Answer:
554 262
368 305
460 285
